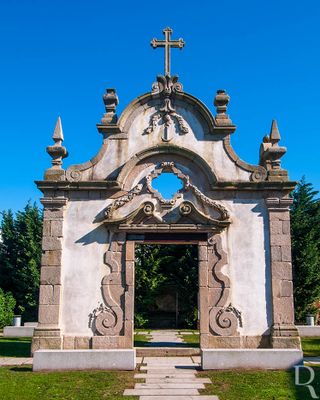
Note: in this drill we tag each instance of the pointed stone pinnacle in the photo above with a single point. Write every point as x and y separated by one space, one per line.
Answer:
58 132
274 132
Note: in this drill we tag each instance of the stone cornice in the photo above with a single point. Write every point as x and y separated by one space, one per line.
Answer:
286 186
81 185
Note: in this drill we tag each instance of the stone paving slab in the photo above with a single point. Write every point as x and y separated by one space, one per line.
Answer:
7 361
179 397
169 360
180 368
169 375
178 380
169 378
166 385
159 392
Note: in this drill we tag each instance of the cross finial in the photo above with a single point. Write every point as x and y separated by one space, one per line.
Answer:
167 44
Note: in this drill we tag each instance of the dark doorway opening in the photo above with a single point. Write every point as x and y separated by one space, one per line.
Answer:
166 286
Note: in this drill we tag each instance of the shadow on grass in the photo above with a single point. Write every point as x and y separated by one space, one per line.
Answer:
21 369
15 347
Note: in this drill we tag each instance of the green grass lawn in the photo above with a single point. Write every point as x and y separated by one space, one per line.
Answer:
259 385
311 346
15 347
192 340
23 384
140 339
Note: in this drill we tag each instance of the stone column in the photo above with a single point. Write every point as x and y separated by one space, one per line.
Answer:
284 334
48 335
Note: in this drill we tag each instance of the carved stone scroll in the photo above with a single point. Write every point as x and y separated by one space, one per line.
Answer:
108 318
223 318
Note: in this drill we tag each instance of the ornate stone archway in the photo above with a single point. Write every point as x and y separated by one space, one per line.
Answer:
239 213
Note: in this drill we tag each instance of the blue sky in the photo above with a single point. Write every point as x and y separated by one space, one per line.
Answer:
57 58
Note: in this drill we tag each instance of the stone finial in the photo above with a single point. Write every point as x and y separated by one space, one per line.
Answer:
271 153
111 101
221 102
57 152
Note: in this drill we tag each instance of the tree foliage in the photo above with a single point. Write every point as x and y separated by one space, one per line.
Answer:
166 266
7 304
305 228
20 256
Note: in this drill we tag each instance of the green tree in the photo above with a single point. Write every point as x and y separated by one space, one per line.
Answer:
7 304
166 266
305 229
20 256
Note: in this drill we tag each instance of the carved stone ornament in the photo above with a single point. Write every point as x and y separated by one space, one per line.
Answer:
139 215
73 175
166 87
187 186
107 319
224 319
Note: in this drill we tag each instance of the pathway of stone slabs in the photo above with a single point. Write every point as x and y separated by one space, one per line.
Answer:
169 378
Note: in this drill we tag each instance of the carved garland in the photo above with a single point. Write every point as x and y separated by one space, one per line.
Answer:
169 166
223 318
122 201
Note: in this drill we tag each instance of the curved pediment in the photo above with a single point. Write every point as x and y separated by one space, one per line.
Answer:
144 207
169 120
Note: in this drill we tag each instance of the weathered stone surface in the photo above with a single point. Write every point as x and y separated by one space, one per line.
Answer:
49 314
49 360
249 358
49 294
282 270
280 240
18 331
286 288
51 257
286 253
276 254
50 276
68 342
82 342
51 243
56 228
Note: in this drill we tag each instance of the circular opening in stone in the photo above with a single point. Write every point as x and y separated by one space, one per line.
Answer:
167 184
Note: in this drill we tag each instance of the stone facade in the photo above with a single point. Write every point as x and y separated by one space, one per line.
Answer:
237 214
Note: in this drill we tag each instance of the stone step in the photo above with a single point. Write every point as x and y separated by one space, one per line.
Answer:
159 392
180 370
167 385
162 375
156 351
165 366
166 360
179 397
178 380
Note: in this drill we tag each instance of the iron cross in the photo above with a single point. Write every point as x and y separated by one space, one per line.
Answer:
167 44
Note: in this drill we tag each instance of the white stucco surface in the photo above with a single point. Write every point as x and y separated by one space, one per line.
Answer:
196 140
83 269
245 242
248 257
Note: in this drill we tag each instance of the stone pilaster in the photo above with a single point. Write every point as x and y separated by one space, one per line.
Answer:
284 334
47 335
